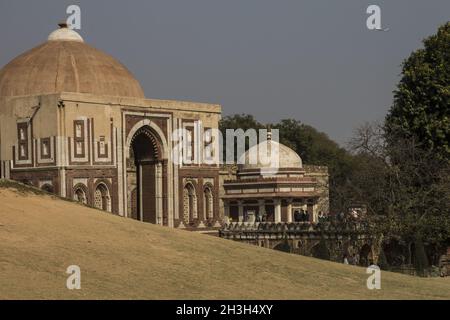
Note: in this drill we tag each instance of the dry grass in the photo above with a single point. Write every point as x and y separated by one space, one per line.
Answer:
40 236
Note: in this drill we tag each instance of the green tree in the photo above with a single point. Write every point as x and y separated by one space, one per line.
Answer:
420 257
405 185
382 260
403 171
417 135
422 100
237 121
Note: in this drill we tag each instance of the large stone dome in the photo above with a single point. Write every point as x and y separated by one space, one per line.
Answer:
284 158
66 64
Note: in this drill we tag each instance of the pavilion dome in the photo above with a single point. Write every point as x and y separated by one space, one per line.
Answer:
64 63
284 158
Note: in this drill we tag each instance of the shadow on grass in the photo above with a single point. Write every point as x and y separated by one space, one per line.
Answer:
25 189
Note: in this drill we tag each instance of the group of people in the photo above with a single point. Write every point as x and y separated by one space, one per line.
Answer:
322 217
304 216
352 215
351 259
261 217
301 216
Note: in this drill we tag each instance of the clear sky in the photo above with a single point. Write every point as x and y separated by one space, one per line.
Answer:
312 60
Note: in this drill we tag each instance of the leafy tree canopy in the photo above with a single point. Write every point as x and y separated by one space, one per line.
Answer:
422 100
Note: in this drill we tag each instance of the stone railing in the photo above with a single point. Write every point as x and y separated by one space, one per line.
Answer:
294 227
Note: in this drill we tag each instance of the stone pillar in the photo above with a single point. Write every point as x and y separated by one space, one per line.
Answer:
226 208
289 210
169 179
315 213
62 182
251 216
241 210
141 212
117 158
262 208
310 210
159 193
277 210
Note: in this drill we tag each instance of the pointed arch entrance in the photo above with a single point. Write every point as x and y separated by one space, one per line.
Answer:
144 174
189 204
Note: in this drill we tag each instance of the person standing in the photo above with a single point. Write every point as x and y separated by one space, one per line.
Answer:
321 216
346 259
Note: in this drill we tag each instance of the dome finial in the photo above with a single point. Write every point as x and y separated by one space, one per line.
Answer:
64 33
63 24
269 132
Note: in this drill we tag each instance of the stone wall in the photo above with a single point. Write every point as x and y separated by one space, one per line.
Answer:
227 172
304 239
321 174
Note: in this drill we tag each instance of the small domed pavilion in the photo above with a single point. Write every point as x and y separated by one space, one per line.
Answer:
276 188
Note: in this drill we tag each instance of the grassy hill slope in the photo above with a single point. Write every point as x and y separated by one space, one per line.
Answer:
40 236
